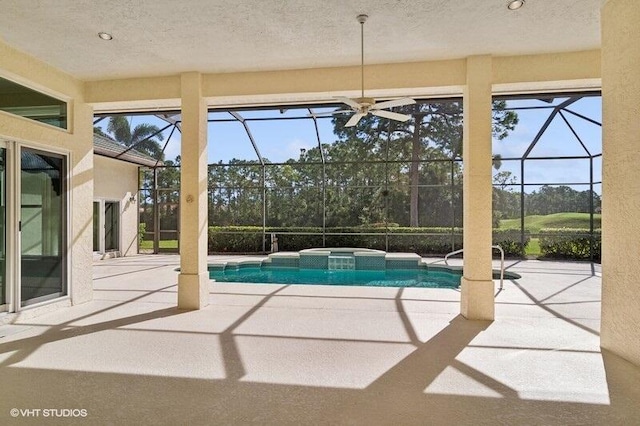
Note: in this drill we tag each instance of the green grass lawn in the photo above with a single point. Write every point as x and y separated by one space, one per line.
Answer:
164 244
535 223
533 248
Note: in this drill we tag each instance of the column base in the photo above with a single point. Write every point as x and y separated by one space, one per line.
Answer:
477 299
193 291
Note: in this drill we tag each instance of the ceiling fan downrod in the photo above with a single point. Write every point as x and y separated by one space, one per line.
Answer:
362 19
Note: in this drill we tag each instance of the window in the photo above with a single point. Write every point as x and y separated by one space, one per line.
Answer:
19 100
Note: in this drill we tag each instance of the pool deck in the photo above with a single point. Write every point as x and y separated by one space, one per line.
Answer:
294 354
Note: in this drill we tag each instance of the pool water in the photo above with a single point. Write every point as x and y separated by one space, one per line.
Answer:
388 278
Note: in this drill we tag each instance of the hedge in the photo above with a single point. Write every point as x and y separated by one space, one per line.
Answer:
568 243
249 239
235 239
510 241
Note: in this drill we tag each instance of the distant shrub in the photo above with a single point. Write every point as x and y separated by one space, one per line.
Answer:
567 243
510 241
425 241
436 240
235 239
142 229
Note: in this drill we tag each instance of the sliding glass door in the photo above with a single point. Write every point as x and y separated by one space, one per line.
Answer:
3 230
42 226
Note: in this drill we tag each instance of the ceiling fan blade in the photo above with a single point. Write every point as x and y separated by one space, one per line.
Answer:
353 104
354 119
393 103
390 115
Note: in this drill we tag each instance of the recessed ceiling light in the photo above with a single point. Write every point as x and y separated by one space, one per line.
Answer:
105 36
515 4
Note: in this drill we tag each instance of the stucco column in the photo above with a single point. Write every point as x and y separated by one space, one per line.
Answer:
82 204
620 331
477 298
193 281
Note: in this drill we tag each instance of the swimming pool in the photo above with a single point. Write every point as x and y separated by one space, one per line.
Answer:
389 278
341 266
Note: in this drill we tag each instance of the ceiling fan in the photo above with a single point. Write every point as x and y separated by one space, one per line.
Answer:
365 105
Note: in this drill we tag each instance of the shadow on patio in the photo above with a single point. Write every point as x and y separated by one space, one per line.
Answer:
291 355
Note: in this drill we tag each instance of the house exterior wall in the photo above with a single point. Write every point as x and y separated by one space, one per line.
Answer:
620 185
117 180
77 143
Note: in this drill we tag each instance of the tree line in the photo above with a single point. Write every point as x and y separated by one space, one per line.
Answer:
543 201
380 172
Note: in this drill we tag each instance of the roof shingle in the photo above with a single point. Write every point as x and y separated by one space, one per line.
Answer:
108 147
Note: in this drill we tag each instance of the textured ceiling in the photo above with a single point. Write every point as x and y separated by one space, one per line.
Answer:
159 37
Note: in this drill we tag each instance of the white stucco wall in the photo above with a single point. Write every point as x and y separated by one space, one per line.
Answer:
620 331
116 180
76 142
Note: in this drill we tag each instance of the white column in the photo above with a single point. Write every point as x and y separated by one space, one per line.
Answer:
193 281
477 289
82 167
620 331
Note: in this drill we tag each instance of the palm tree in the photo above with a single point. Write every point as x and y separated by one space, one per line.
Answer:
143 138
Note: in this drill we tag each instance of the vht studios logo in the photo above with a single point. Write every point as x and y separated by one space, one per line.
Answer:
48 412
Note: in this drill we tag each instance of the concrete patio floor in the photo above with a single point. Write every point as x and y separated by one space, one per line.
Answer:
291 354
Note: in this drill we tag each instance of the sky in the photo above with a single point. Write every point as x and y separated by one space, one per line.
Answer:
557 141
282 139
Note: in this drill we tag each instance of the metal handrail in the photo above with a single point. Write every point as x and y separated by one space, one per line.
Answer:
446 257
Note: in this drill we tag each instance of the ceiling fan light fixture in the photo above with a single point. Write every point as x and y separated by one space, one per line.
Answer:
364 105
515 4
